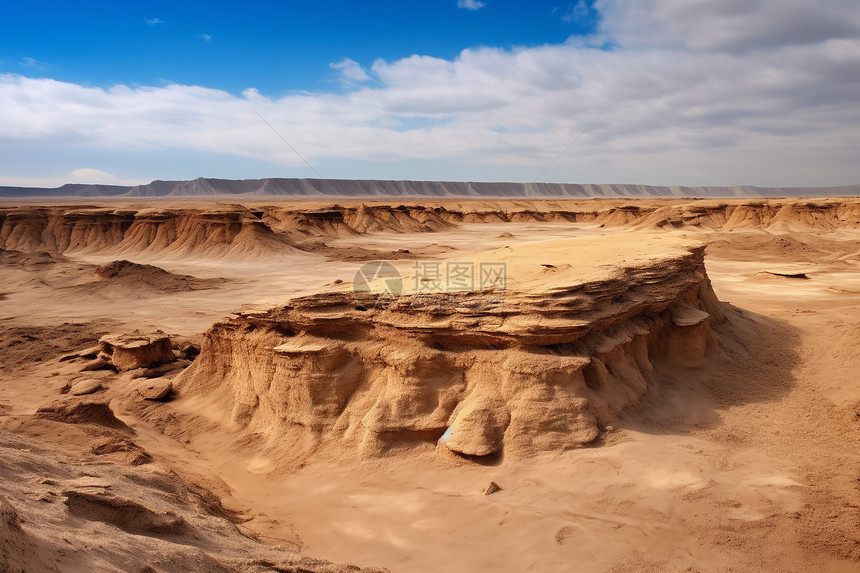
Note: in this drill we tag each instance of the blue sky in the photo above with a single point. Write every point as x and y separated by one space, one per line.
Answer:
674 92
275 47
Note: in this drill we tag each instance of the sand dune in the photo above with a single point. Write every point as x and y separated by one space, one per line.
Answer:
658 385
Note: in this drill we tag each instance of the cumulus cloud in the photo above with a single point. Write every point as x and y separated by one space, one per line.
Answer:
206 37
734 25
470 4
350 71
699 108
153 21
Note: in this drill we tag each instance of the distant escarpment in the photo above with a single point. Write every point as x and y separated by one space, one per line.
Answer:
209 187
542 366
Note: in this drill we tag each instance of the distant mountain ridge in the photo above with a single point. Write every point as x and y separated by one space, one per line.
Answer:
202 187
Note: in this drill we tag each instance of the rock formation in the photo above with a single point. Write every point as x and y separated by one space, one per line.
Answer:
243 232
132 351
540 366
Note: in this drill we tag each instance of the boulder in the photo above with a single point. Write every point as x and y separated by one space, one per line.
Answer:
137 350
79 411
154 388
85 387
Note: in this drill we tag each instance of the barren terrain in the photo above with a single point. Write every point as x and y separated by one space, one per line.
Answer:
656 385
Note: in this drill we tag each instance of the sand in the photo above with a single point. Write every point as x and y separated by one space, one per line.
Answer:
732 447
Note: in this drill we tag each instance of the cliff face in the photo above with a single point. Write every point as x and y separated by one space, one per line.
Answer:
243 231
539 367
146 232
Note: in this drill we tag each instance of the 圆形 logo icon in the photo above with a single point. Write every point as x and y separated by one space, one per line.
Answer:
377 284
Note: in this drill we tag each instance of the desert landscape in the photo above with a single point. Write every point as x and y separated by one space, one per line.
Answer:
270 383
413 287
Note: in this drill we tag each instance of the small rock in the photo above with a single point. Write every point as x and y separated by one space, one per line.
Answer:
164 369
99 363
90 352
132 453
154 388
140 458
81 411
113 445
492 488
89 481
85 387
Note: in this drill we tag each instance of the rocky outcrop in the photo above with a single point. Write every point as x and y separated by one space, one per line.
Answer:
154 389
81 411
56 504
137 350
142 232
143 279
541 366
248 232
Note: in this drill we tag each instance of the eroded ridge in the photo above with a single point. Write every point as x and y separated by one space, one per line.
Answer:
262 230
542 366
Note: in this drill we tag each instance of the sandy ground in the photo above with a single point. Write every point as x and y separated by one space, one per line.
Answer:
752 468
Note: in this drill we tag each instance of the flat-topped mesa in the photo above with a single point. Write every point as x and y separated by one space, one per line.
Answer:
541 366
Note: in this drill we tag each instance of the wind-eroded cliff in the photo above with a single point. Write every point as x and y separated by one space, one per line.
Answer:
541 366
243 231
176 232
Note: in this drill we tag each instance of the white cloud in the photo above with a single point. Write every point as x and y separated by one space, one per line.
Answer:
153 21
33 63
697 107
84 175
470 4
578 11
90 175
729 24
206 37
350 71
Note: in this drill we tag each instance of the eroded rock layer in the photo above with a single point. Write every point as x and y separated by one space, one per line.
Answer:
244 232
541 366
